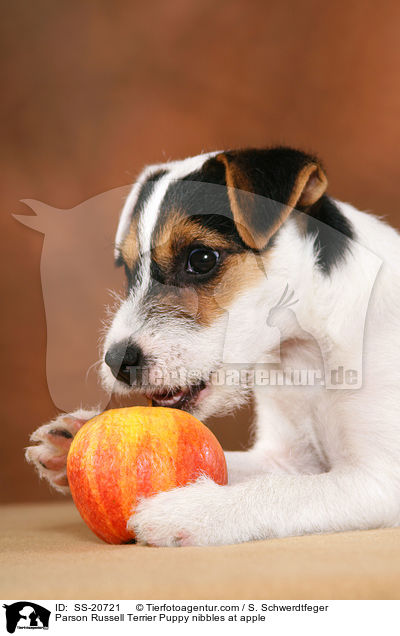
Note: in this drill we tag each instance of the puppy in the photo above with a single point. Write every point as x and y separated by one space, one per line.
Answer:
239 264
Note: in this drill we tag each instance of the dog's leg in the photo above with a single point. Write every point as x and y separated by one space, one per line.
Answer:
280 447
267 506
49 456
243 465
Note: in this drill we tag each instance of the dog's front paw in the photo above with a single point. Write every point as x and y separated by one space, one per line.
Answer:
197 514
49 456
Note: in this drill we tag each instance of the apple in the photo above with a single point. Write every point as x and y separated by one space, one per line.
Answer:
125 454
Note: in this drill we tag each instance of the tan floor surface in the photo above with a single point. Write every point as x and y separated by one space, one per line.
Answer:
47 552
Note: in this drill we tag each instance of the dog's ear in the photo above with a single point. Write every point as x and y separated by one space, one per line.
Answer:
264 186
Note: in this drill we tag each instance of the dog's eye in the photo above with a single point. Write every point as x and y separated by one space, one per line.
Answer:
202 260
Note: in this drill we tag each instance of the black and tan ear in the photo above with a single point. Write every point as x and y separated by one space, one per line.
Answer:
264 186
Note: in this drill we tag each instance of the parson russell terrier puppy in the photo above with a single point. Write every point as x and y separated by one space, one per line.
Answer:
214 248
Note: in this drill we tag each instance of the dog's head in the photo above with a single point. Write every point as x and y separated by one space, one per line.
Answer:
198 239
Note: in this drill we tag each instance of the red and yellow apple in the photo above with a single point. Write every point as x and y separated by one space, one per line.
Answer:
125 454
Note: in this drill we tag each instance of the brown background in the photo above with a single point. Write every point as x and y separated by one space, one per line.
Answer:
93 91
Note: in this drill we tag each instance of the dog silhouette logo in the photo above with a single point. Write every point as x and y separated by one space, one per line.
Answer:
26 615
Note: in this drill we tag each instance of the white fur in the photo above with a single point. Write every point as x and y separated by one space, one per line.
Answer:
324 459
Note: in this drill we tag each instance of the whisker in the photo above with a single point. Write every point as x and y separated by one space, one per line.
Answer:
96 363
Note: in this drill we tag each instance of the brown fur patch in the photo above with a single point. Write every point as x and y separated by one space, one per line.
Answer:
241 199
130 248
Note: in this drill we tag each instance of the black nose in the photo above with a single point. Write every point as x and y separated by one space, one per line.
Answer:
121 358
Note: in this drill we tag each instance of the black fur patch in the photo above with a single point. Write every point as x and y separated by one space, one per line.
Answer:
272 172
132 275
157 273
146 190
332 231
